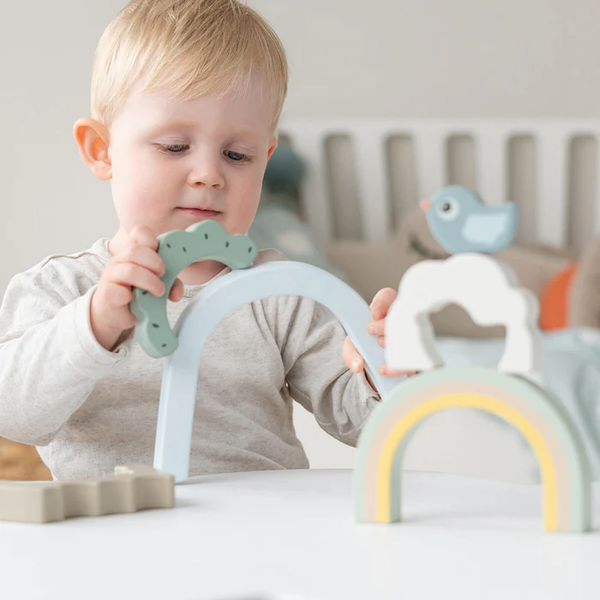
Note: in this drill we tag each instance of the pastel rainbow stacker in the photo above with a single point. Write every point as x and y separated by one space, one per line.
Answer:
486 288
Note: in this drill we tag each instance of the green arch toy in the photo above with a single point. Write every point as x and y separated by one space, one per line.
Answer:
178 249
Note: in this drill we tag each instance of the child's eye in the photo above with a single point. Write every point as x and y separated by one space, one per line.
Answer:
174 148
236 156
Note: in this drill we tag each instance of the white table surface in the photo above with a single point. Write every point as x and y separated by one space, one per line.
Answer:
290 535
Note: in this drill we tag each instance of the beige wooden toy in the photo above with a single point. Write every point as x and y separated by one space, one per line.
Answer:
133 488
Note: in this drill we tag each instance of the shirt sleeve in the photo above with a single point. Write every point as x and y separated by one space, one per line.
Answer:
50 359
311 341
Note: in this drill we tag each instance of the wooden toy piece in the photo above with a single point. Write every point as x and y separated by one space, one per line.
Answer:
178 249
542 420
215 302
486 288
133 488
461 222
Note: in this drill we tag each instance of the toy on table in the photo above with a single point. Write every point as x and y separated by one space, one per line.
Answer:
488 290
133 488
461 222
212 304
482 285
541 419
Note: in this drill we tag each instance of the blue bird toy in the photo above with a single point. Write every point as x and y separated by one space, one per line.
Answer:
461 222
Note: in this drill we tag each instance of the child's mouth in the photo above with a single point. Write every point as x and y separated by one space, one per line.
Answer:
200 213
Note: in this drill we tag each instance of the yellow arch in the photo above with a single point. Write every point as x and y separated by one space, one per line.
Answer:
435 404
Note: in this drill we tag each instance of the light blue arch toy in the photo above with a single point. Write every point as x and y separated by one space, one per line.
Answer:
212 304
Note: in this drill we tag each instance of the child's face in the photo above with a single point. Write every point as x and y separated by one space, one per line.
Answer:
208 154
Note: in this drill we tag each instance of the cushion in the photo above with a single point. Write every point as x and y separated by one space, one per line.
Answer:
554 299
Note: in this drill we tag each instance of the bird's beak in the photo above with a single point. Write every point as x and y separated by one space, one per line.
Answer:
425 205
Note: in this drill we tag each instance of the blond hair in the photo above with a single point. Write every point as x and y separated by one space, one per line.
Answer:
186 48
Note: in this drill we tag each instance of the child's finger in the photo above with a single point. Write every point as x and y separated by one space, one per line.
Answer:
354 361
116 295
376 327
387 372
176 292
136 276
143 256
381 302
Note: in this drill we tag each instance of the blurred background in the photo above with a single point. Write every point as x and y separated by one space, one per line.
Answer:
355 61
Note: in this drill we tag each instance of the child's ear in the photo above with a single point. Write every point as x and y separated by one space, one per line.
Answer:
272 147
93 140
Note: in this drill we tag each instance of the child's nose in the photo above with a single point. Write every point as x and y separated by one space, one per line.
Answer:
207 174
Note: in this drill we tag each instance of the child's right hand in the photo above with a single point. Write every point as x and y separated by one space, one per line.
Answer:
138 264
380 306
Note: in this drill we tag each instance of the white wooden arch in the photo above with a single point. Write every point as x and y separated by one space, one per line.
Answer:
486 288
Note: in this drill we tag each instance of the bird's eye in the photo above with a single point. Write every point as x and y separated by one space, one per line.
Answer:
448 209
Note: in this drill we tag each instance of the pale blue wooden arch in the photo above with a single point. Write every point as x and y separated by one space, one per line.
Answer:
212 304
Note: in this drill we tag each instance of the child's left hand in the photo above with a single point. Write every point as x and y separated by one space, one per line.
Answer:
379 308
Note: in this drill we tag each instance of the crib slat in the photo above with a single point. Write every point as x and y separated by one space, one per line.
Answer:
551 178
490 152
429 143
430 157
372 180
309 142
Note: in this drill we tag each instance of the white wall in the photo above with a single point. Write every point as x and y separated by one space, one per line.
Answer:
440 58
50 201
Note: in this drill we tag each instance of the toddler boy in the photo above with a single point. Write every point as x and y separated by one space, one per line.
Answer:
185 100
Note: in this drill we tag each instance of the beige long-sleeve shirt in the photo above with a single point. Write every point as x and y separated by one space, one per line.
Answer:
88 409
